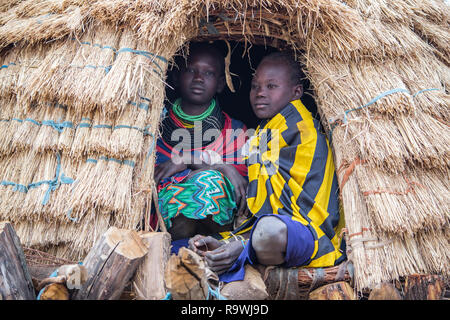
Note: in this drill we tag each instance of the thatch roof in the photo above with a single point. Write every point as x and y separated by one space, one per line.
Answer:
82 88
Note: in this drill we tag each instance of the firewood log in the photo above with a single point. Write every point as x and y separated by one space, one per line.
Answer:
423 287
185 276
148 283
385 291
111 264
54 291
333 291
251 288
15 279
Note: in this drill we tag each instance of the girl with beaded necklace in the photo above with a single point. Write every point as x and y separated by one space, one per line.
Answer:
201 177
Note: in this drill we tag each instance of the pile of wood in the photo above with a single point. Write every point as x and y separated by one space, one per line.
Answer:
120 258
125 264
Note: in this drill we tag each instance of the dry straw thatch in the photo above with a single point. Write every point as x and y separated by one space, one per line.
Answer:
82 87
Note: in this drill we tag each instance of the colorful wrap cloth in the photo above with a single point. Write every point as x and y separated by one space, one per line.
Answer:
206 193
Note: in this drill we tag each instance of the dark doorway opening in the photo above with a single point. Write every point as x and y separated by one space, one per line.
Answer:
244 60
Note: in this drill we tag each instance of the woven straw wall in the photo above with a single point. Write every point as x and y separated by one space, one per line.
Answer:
82 86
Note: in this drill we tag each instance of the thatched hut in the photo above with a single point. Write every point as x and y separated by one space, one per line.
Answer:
83 86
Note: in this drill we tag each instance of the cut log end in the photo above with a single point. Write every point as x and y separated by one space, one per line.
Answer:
186 276
128 242
386 291
55 291
251 288
333 291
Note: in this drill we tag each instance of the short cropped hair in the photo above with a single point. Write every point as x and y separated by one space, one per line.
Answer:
297 74
211 49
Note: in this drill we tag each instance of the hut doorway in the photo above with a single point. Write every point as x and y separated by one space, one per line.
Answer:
244 60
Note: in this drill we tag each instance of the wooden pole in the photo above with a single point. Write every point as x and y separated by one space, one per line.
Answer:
15 279
148 283
111 264
161 223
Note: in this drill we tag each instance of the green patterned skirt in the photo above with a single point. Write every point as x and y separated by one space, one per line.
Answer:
206 193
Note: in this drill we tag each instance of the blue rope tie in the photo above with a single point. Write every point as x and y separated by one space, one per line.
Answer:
91 66
115 160
122 126
102 126
146 132
130 163
7 65
168 296
384 94
54 183
33 121
84 125
143 53
98 45
58 126
91 160
39 21
146 54
335 121
17 186
424 90
20 187
141 105
215 293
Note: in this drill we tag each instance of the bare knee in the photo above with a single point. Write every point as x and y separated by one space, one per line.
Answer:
269 240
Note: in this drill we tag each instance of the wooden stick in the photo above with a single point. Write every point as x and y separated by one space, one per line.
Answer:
148 284
15 279
110 264
160 218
